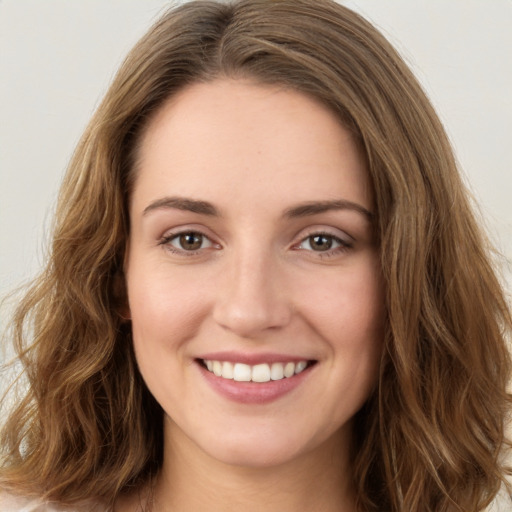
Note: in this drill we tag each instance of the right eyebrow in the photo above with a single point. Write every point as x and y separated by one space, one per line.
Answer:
315 207
182 203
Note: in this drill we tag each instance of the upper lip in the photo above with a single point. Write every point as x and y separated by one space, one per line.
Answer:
253 359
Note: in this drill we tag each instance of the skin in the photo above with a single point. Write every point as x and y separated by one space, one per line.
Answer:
256 284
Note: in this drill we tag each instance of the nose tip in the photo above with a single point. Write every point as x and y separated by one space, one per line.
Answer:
252 303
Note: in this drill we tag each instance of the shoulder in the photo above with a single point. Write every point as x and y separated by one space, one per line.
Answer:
11 503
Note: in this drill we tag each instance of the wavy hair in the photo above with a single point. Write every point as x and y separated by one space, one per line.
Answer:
431 436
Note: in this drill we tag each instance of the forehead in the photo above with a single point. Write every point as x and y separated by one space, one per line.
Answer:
239 139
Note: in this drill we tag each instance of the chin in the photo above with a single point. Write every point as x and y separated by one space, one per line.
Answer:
266 448
262 455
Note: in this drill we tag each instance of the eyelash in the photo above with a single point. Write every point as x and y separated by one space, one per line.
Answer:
342 245
167 239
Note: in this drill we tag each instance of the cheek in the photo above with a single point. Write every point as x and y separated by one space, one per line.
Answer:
165 314
348 314
164 307
348 306
346 310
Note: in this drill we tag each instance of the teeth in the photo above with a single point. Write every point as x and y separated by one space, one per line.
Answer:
227 370
258 373
217 368
289 369
242 372
300 366
276 371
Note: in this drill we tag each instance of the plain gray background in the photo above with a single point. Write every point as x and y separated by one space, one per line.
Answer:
57 58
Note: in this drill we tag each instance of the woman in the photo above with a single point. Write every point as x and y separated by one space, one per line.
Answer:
266 286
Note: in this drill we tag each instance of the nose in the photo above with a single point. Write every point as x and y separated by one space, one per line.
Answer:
252 298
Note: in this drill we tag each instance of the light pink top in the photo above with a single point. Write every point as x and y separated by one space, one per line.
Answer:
9 503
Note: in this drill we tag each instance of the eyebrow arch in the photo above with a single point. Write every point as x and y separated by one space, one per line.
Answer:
315 207
181 203
302 210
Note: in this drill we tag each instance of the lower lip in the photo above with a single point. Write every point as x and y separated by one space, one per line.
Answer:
254 392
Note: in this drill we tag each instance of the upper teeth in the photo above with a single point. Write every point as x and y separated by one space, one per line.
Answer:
258 373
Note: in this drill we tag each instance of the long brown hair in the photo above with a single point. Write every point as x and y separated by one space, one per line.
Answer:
432 434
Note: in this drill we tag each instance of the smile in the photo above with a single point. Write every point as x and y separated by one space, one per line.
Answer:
263 372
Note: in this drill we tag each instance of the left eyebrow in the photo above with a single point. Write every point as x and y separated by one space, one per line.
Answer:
182 203
316 207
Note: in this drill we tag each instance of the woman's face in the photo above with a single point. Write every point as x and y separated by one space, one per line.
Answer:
253 278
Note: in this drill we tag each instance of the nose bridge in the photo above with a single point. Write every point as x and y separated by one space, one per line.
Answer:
251 297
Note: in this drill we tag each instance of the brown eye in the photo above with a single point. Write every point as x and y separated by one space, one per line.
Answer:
324 243
187 242
190 241
321 242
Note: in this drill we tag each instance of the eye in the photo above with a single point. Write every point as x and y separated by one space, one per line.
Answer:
323 243
188 241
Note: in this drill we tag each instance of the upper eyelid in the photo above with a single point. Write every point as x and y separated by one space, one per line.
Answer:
343 244
188 228
322 230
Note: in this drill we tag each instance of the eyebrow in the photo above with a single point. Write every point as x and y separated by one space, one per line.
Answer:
301 210
316 207
182 203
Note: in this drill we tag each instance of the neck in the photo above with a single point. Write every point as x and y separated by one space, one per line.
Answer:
191 480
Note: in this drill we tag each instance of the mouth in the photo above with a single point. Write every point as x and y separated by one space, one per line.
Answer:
260 373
